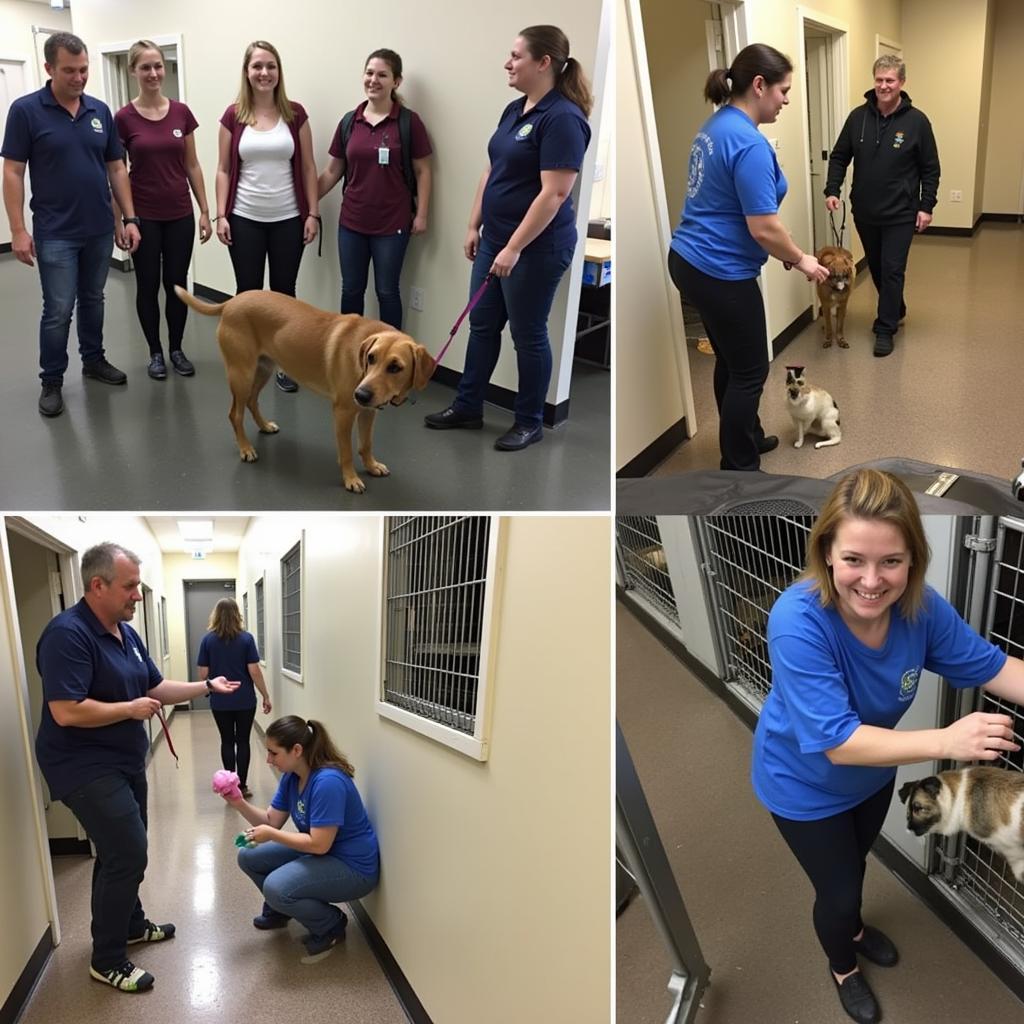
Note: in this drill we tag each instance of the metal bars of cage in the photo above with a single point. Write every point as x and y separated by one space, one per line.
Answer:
259 617
436 584
749 561
291 609
644 564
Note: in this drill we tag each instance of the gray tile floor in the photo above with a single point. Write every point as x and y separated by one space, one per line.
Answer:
950 394
168 445
749 902
217 967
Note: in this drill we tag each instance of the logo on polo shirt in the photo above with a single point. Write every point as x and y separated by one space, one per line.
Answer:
898 141
523 132
135 651
176 133
97 125
908 684
703 147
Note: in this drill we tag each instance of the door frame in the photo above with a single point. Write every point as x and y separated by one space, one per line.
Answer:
233 580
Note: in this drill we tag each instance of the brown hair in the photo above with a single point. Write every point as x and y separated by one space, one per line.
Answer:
318 749
890 62
570 81
225 619
753 60
394 62
244 107
62 41
873 495
138 49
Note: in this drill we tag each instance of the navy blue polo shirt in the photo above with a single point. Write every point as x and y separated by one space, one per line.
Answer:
231 659
553 136
77 658
67 163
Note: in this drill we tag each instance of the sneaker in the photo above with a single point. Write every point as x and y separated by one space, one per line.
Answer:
285 383
320 946
519 437
153 933
247 792
883 344
181 363
451 418
50 401
126 978
100 369
857 998
269 918
157 368
877 947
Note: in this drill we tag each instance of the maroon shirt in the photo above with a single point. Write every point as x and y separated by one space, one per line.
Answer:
156 151
377 200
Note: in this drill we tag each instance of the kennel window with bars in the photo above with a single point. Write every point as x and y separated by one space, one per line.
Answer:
291 610
258 589
438 607
165 644
642 557
245 609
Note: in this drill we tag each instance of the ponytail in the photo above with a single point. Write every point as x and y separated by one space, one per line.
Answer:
757 59
716 88
570 80
317 746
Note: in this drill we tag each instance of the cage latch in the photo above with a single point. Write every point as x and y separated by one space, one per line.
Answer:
975 543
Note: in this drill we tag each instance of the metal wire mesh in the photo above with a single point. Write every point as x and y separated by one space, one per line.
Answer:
291 609
434 615
259 617
750 560
245 609
644 564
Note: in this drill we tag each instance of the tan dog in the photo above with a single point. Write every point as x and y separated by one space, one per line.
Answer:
360 365
834 293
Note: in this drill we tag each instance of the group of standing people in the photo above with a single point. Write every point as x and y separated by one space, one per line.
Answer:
521 230
730 223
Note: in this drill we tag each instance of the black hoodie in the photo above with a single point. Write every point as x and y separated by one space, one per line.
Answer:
895 163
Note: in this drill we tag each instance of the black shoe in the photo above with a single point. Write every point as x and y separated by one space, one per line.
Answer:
126 978
270 918
857 998
519 437
285 383
450 418
181 363
100 369
50 401
877 947
768 444
153 933
883 344
157 368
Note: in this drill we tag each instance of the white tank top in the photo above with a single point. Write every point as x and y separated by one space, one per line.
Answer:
266 185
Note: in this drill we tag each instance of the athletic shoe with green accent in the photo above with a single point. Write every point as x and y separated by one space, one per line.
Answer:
126 978
153 933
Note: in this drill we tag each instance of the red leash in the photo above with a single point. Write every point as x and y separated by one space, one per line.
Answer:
167 735
477 296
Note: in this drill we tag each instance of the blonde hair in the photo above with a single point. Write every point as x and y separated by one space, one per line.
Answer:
225 619
138 49
876 496
244 104
890 62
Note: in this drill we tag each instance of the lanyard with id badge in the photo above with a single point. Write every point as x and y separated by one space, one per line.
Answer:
383 153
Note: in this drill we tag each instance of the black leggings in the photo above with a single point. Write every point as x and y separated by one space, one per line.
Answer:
165 251
255 243
833 853
733 316
234 728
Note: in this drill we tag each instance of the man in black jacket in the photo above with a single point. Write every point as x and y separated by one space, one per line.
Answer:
895 185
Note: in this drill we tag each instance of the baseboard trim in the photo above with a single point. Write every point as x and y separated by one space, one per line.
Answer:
504 398
404 992
22 991
125 266
6 247
656 452
805 319
210 294
69 847
954 232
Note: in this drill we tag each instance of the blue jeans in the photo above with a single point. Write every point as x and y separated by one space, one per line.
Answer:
112 810
70 269
355 250
303 885
523 301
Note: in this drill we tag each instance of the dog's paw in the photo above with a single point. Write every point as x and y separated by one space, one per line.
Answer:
378 469
270 427
827 343
843 343
248 454
798 444
354 484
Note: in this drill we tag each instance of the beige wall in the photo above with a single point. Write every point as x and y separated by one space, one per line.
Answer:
1004 163
506 859
453 55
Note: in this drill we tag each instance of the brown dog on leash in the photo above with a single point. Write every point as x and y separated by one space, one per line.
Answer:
834 293
360 365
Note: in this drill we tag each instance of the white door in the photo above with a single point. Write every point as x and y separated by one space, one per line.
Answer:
819 140
14 82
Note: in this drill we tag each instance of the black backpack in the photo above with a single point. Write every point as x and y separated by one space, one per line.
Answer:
404 137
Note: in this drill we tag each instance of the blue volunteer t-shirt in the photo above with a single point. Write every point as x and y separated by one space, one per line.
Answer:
231 659
67 163
78 659
553 136
733 174
331 798
826 683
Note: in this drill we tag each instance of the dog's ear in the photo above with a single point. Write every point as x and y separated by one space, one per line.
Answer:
423 369
931 786
364 351
905 790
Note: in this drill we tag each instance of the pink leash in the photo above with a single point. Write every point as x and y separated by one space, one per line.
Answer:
477 296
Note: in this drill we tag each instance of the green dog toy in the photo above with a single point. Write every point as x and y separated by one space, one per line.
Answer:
241 841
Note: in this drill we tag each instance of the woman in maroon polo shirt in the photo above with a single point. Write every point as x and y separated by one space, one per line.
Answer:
157 135
267 202
387 191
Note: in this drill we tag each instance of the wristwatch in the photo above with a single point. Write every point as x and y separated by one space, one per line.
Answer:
131 220
209 686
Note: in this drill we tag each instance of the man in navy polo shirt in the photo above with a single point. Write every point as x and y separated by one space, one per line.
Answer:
99 685
68 141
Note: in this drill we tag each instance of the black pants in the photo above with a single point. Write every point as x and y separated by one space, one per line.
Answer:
234 728
165 251
733 316
255 243
887 247
833 853
112 811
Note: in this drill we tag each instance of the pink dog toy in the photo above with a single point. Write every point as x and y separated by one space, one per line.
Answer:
226 784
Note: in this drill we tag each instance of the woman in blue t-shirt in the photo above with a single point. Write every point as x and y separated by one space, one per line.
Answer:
228 647
332 858
728 228
524 207
848 643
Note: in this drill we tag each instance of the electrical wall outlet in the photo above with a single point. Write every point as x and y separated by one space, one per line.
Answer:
956 196
416 299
